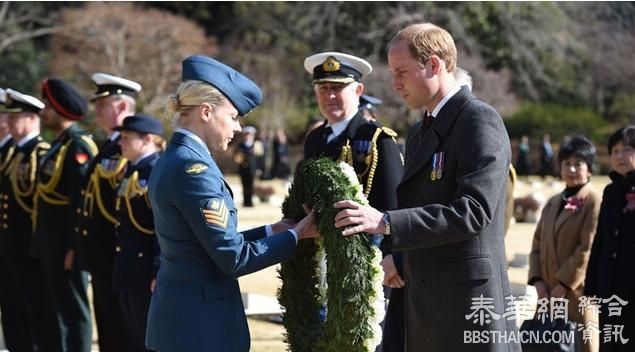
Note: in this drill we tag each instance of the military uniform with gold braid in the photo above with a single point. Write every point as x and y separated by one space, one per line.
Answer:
10 314
137 249
57 194
97 218
371 149
25 274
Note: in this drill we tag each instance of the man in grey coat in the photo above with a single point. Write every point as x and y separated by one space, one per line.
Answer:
448 228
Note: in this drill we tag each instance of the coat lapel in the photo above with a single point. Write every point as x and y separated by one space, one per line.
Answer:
432 138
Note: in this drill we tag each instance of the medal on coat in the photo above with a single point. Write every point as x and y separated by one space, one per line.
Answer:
437 166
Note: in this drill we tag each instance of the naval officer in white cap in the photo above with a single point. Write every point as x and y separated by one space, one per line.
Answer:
114 100
347 136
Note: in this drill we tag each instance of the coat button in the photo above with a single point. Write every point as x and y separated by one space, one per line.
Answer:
614 255
5 226
617 232
79 210
140 255
117 249
84 232
83 192
85 213
5 216
6 206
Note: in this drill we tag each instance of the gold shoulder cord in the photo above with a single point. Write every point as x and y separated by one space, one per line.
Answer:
372 164
46 191
90 143
346 155
93 190
132 190
4 164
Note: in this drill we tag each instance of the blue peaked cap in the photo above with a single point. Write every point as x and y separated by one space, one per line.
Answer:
240 90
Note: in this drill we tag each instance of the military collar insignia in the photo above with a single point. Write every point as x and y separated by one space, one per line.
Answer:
216 213
196 169
331 65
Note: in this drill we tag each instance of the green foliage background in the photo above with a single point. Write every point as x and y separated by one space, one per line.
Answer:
571 57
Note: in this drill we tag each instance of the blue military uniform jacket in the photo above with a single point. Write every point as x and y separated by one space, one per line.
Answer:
136 252
59 177
196 305
95 229
16 191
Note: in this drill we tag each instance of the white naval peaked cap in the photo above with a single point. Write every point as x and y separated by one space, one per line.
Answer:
113 85
19 102
336 67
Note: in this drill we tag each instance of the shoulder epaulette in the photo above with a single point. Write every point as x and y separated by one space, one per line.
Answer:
90 143
389 132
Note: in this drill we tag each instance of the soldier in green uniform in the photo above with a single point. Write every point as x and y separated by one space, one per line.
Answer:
57 193
26 274
114 100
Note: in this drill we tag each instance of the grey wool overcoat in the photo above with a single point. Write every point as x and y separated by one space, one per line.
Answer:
450 230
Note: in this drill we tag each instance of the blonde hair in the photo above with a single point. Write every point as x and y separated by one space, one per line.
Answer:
425 40
189 96
158 142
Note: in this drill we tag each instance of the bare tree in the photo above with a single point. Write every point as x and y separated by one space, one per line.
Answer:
145 45
20 22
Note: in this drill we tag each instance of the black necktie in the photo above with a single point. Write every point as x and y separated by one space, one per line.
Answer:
326 132
428 119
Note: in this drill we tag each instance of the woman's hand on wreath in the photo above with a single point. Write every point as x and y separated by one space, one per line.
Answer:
307 227
282 225
358 218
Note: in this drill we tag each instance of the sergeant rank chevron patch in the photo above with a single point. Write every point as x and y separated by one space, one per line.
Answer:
217 214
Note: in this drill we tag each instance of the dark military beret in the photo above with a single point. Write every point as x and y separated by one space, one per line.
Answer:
240 90
64 99
108 85
142 124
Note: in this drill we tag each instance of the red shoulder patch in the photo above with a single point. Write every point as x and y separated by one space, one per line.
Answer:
81 158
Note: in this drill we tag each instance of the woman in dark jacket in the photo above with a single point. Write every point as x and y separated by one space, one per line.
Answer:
612 263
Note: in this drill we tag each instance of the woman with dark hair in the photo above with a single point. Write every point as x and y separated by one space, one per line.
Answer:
610 272
563 237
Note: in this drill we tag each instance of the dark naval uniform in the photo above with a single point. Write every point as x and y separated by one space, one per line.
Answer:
26 274
95 241
57 194
371 149
137 250
14 332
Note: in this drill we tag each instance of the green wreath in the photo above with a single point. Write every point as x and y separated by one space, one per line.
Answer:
350 283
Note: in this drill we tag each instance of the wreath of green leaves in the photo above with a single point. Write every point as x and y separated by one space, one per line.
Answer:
351 269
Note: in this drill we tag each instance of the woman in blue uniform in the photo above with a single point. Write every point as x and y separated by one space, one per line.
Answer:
196 305
137 250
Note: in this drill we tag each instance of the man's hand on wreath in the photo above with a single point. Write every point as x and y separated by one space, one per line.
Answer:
358 218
